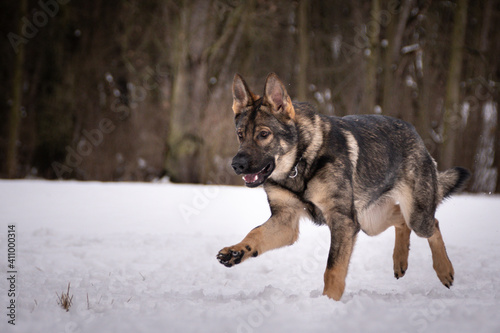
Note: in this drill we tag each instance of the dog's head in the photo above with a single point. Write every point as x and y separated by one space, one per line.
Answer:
266 131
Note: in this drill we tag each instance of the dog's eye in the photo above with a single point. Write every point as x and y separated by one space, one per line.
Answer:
240 135
264 134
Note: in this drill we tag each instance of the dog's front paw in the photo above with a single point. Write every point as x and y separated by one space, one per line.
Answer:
234 255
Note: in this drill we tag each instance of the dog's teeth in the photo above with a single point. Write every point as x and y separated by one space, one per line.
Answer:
250 178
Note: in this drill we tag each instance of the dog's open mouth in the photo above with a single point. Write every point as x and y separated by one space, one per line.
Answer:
255 179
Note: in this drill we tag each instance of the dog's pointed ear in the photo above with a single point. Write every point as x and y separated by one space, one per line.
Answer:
277 97
242 96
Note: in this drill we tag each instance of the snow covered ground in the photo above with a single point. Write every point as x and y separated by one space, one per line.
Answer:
141 258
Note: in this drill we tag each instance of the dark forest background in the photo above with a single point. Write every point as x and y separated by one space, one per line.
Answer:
140 89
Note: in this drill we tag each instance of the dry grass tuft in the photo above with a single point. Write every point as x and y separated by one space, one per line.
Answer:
65 300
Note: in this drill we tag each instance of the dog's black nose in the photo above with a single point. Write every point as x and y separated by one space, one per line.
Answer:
240 163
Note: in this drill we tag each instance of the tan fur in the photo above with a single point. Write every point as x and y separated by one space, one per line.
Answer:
441 263
316 194
289 110
405 198
335 277
274 93
277 232
352 144
316 139
401 247
284 164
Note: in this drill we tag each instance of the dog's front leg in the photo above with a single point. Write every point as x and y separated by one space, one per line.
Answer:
280 230
343 232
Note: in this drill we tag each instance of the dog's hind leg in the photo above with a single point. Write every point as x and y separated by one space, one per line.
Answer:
401 245
441 263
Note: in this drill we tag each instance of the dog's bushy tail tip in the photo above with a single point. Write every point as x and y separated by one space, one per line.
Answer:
452 181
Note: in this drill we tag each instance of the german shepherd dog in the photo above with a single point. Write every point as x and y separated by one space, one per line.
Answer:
365 172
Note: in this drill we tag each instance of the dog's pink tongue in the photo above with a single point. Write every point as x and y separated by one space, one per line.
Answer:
251 178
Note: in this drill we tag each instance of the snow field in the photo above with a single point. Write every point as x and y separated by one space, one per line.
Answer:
141 258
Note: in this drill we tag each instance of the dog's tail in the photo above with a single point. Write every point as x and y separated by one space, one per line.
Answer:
451 181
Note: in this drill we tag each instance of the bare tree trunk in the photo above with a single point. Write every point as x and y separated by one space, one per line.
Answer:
421 110
17 90
179 96
395 37
484 48
451 120
189 92
303 50
373 32
424 78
